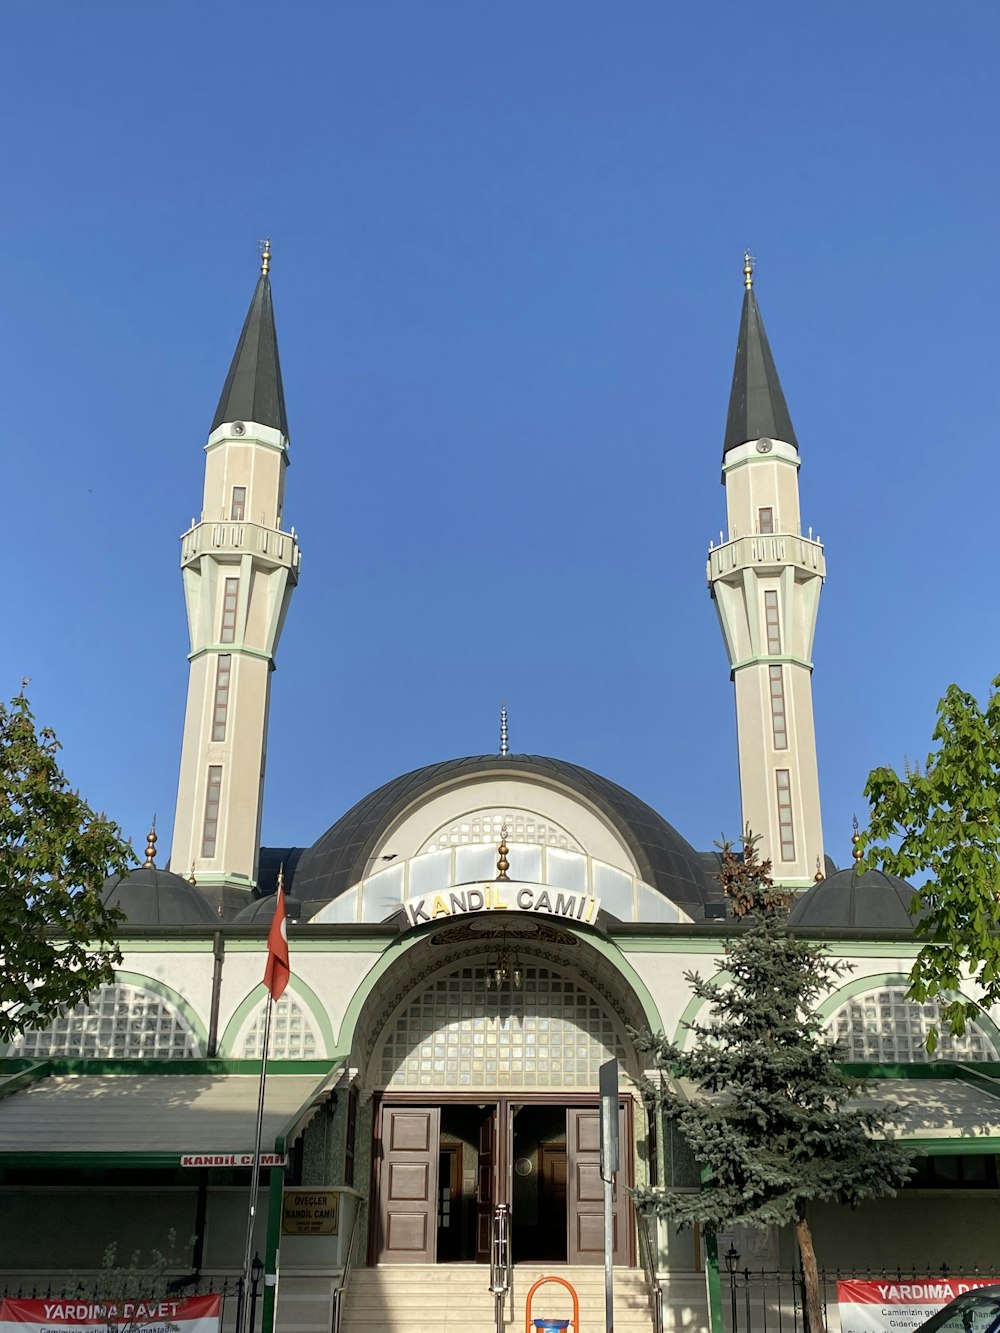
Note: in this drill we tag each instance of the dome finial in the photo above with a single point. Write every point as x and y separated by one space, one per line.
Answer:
150 861
503 865
265 258
819 877
749 264
856 839
191 878
503 727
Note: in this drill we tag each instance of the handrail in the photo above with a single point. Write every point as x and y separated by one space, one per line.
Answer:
647 1253
501 1266
338 1292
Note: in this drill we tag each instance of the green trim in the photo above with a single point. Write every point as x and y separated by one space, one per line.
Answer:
860 985
165 992
31 1072
56 1065
694 1006
272 1256
172 997
302 992
239 647
712 1281
772 659
401 944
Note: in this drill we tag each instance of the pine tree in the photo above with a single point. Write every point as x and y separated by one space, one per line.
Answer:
759 1095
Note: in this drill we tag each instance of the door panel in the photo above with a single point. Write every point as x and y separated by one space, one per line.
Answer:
586 1190
408 1184
485 1189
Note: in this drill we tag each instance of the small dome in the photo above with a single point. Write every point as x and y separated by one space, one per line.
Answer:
261 911
152 897
871 901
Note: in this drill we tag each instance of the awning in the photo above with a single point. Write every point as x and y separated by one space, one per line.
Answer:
149 1118
953 1115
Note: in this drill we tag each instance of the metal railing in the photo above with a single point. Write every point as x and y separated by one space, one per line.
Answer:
338 1292
765 1300
501 1263
647 1256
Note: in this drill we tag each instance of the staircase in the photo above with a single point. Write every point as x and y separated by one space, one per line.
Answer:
436 1298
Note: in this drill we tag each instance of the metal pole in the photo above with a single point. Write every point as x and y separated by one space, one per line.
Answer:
609 1257
255 1172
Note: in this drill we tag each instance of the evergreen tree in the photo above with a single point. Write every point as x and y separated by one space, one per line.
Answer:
759 1095
56 936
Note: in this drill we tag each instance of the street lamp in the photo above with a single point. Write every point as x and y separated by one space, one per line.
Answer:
256 1273
732 1258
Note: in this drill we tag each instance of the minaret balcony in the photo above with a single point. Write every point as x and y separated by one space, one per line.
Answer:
771 551
268 546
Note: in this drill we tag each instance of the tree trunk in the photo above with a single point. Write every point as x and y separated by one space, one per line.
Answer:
815 1322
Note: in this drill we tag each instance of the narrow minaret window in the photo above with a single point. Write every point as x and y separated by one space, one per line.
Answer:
221 710
230 599
765 578
213 797
240 568
786 824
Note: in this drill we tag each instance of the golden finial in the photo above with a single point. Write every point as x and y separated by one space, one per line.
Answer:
191 879
503 728
265 258
150 861
856 839
819 877
503 865
748 267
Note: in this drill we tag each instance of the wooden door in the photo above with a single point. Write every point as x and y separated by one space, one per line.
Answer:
408 1184
486 1171
586 1189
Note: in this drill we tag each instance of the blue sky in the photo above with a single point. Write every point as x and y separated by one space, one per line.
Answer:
507 251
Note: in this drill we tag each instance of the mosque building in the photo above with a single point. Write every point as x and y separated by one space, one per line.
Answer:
470 943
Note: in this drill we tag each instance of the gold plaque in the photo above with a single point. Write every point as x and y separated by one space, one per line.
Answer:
310 1213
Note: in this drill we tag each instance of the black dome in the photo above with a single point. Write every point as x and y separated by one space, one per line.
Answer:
871 901
261 911
152 897
339 859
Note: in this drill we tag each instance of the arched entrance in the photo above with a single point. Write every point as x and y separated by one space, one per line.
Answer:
484 1075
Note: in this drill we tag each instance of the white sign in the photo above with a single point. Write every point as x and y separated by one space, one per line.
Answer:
232 1159
502 897
888 1306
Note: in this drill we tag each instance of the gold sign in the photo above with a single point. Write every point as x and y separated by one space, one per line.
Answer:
310 1213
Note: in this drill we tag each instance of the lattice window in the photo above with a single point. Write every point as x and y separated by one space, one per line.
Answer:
883 1025
456 1033
484 826
120 1021
293 1034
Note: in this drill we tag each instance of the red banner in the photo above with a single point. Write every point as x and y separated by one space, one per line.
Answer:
78 1314
889 1305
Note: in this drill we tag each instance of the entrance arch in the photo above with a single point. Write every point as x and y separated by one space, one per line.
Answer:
487 1095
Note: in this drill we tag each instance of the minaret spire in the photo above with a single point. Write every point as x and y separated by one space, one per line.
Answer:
765 579
757 407
253 390
240 566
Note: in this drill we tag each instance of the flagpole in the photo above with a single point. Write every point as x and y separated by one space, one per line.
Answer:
242 1325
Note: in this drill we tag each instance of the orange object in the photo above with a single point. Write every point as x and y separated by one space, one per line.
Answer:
563 1283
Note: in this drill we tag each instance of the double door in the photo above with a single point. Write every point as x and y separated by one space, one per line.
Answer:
441 1170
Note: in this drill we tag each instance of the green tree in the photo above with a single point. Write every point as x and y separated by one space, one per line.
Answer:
942 820
56 936
760 1095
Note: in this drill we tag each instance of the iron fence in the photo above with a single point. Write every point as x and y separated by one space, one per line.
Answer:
762 1300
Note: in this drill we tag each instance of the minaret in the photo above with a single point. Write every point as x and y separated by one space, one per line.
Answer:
765 579
239 571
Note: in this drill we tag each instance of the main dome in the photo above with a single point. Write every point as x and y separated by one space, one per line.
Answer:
341 857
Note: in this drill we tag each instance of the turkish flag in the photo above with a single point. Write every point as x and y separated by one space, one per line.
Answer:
277 971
